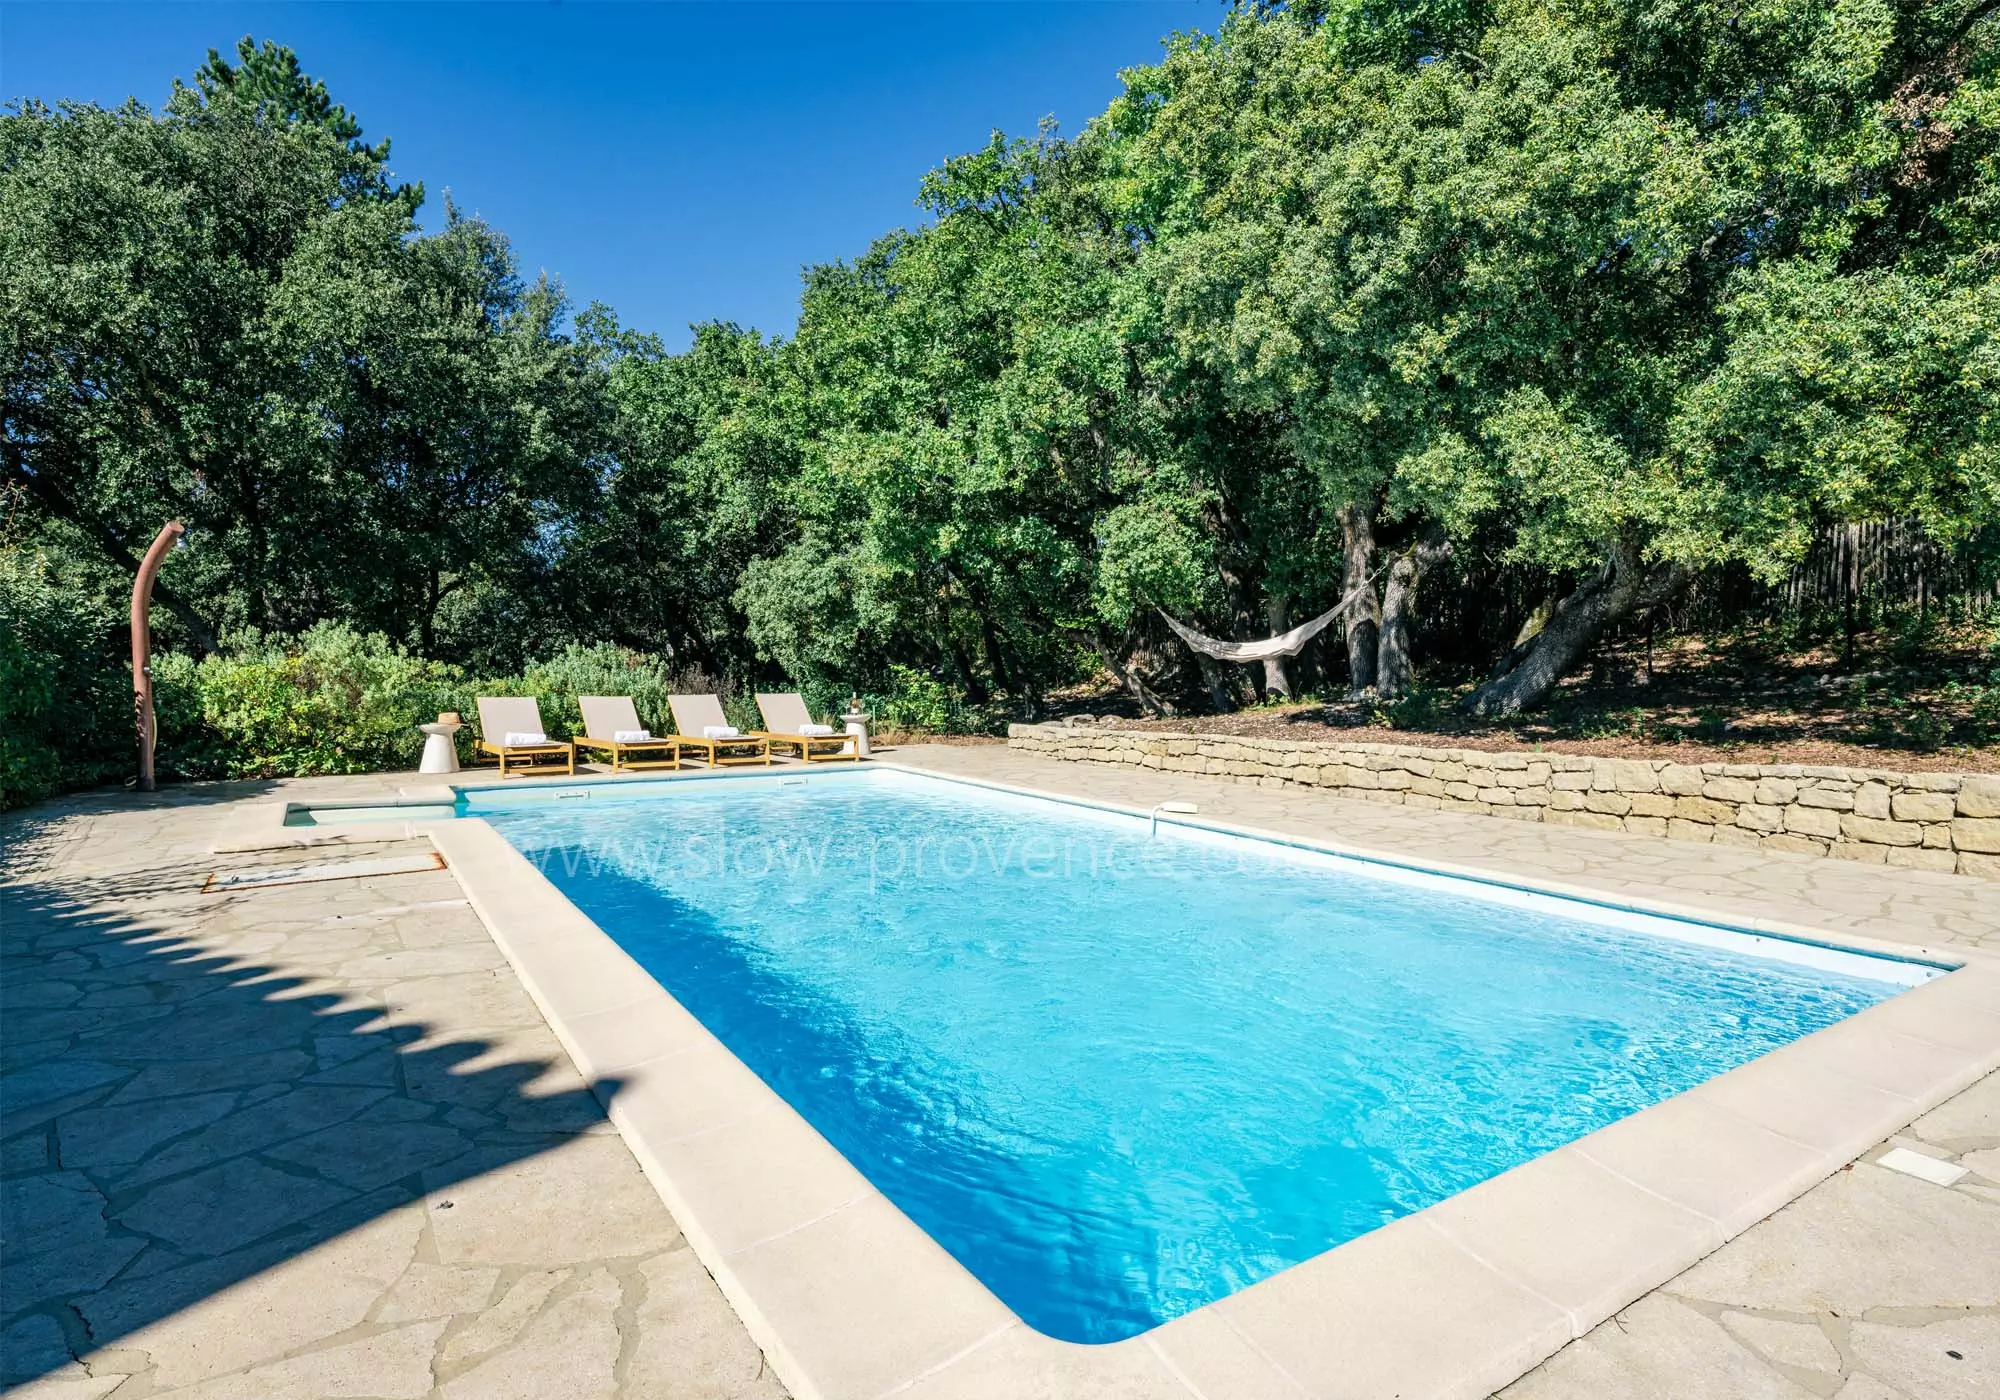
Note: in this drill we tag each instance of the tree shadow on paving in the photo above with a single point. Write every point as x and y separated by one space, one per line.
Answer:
30 835
112 797
175 1120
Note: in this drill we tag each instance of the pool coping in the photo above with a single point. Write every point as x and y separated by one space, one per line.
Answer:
851 1300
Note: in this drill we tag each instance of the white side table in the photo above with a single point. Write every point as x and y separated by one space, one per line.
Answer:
440 754
857 730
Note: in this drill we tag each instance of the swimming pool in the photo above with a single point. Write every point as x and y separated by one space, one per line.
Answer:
1118 1077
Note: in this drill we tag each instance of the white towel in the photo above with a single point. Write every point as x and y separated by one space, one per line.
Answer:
522 739
720 731
631 736
815 731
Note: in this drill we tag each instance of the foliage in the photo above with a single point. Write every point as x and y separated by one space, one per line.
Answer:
1605 299
1964 710
65 703
223 313
1420 707
1505 317
923 704
607 669
333 701
602 669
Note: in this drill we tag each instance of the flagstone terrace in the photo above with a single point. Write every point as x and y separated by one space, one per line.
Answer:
314 1139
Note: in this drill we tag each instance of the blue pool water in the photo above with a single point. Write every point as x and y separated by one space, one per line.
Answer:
1120 1076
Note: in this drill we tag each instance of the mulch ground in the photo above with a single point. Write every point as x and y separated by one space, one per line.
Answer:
1926 707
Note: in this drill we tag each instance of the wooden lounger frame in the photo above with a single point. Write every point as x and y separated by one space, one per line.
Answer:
788 711
710 751
805 744
620 751
524 755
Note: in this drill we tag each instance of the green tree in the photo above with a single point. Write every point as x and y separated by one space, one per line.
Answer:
223 312
704 478
1503 287
1791 324
957 390
1281 276
267 80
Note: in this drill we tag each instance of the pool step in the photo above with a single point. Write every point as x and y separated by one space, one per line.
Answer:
219 883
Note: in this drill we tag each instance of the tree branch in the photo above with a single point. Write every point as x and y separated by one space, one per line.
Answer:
111 546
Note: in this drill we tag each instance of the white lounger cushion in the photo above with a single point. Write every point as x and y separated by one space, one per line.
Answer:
631 736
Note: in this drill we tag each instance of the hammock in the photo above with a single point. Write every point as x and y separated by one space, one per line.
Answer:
1284 644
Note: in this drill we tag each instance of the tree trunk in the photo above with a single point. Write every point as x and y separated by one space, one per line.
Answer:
251 509
1217 680
1364 618
1232 557
1850 579
1308 669
990 634
427 625
1395 672
1277 616
1128 676
969 679
694 641
1625 585
1529 630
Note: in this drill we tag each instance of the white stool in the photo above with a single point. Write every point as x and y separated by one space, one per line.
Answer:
857 730
440 754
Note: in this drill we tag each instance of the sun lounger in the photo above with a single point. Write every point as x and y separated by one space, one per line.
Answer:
611 723
707 731
510 728
787 725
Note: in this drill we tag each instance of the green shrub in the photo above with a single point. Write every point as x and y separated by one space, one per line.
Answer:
602 669
337 701
330 701
1420 707
923 703
605 669
827 700
65 692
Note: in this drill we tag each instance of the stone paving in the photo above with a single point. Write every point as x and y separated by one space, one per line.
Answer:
1872 1285
313 1140
307 1141
1904 906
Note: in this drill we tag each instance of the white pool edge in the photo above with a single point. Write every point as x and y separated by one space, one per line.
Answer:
268 826
849 1298
1432 871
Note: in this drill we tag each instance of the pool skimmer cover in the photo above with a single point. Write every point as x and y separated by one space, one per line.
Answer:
1931 1169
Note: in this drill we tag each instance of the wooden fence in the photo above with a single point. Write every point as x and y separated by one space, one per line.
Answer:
1887 560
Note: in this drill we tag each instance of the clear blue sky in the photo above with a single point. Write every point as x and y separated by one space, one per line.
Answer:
681 162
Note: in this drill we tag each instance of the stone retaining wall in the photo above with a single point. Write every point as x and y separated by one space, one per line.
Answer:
1929 821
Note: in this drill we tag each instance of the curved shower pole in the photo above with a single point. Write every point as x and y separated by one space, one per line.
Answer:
142 646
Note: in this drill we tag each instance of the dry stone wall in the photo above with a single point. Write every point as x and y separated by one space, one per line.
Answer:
1925 821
